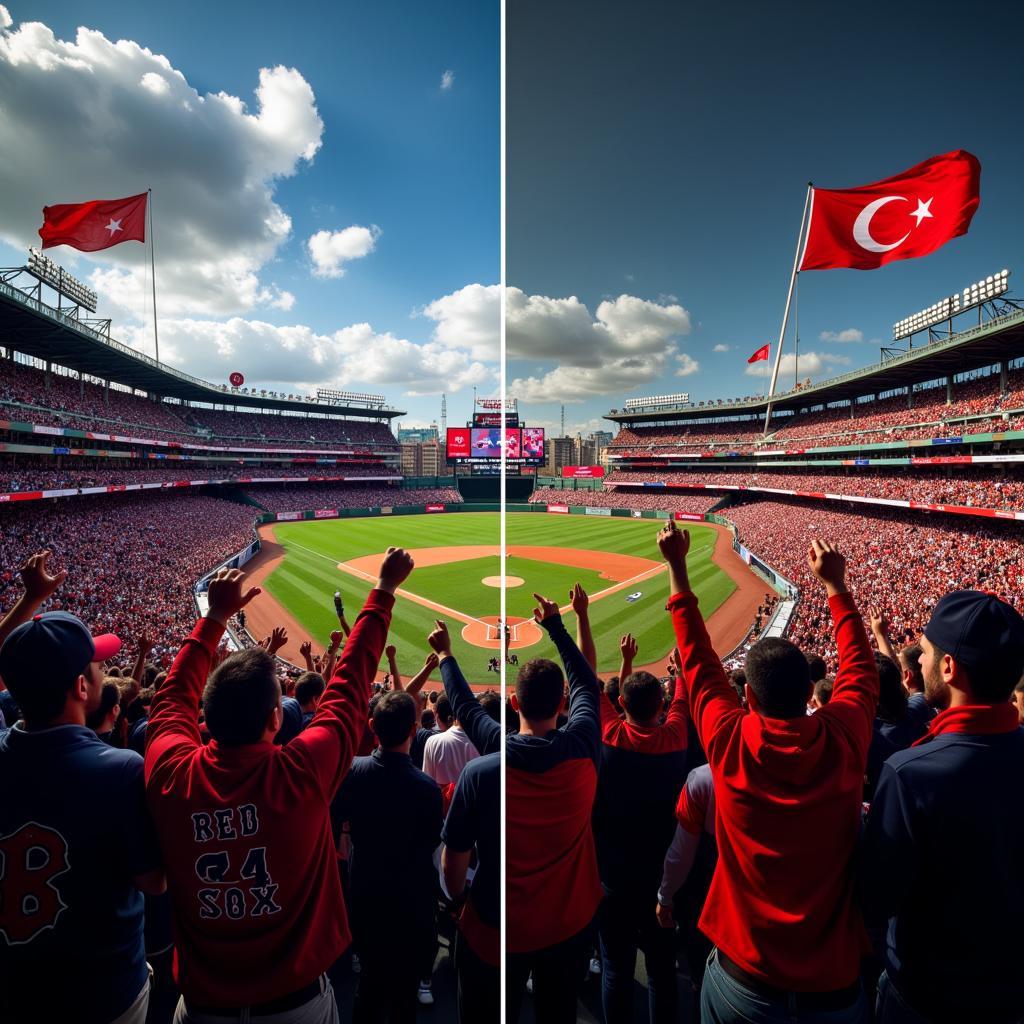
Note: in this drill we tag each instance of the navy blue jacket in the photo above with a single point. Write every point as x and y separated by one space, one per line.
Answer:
944 863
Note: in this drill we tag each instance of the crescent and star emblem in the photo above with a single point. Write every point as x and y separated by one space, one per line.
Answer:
862 225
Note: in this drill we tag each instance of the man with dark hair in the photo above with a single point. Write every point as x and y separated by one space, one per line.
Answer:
552 885
473 824
945 833
919 711
77 850
816 667
788 788
491 703
309 688
394 815
643 768
822 693
245 823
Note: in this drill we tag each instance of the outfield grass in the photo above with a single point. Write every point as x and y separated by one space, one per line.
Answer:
612 616
307 578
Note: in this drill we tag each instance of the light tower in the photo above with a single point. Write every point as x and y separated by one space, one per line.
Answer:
444 415
563 421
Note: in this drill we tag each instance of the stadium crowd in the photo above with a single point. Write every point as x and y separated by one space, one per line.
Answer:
813 905
276 840
28 394
281 498
986 486
664 501
35 475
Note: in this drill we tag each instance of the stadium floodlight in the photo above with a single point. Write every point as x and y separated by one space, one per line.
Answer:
657 401
333 397
988 288
43 268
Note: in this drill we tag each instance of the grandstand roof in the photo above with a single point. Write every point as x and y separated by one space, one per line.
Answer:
34 328
989 343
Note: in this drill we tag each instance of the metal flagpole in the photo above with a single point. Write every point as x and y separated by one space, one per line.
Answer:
152 265
789 299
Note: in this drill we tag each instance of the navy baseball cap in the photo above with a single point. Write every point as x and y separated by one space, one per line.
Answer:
977 629
54 642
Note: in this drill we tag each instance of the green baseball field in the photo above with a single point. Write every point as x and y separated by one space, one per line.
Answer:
458 568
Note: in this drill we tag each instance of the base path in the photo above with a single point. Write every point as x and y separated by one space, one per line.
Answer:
728 625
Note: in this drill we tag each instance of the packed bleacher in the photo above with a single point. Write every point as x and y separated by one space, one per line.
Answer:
353 843
890 418
67 401
811 841
993 485
655 502
281 498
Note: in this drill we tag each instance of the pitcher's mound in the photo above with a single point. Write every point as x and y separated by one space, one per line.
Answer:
510 581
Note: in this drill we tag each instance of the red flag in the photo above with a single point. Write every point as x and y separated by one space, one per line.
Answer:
909 215
761 353
97 224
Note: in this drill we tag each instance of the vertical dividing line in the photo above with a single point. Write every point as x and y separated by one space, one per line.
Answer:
501 514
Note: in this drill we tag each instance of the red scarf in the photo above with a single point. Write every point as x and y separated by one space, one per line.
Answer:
974 720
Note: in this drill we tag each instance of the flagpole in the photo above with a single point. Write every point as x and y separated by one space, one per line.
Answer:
789 300
152 265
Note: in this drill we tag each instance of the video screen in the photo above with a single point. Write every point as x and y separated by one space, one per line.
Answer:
458 443
533 443
486 443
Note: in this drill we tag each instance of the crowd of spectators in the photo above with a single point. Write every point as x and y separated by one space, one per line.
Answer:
34 475
282 498
894 418
902 562
28 394
984 486
664 501
135 557
365 816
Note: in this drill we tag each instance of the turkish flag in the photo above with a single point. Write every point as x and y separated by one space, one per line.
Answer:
97 224
909 215
761 353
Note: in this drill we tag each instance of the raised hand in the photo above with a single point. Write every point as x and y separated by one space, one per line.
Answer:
144 644
306 649
878 622
394 570
439 640
673 544
337 638
278 638
628 647
545 608
227 595
430 662
38 583
390 651
579 600
828 565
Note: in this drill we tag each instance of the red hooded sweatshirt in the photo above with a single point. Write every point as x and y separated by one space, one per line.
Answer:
789 809
246 831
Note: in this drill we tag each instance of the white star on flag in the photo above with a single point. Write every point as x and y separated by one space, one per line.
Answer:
115 225
922 211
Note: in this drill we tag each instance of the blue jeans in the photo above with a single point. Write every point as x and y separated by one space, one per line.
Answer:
723 1000
628 923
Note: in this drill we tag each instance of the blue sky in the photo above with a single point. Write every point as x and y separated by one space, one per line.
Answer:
661 151
364 131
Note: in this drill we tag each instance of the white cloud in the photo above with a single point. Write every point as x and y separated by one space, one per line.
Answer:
628 343
5 17
850 334
331 250
811 364
687 365
447 80
97 119
296 356
469 319
720 348
285 300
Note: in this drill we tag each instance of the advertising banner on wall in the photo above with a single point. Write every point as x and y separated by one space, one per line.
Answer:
582 472
689 517
561 509
325 513
597 511
284 517
435 508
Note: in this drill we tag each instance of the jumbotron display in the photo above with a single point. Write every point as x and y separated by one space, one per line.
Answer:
482 445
